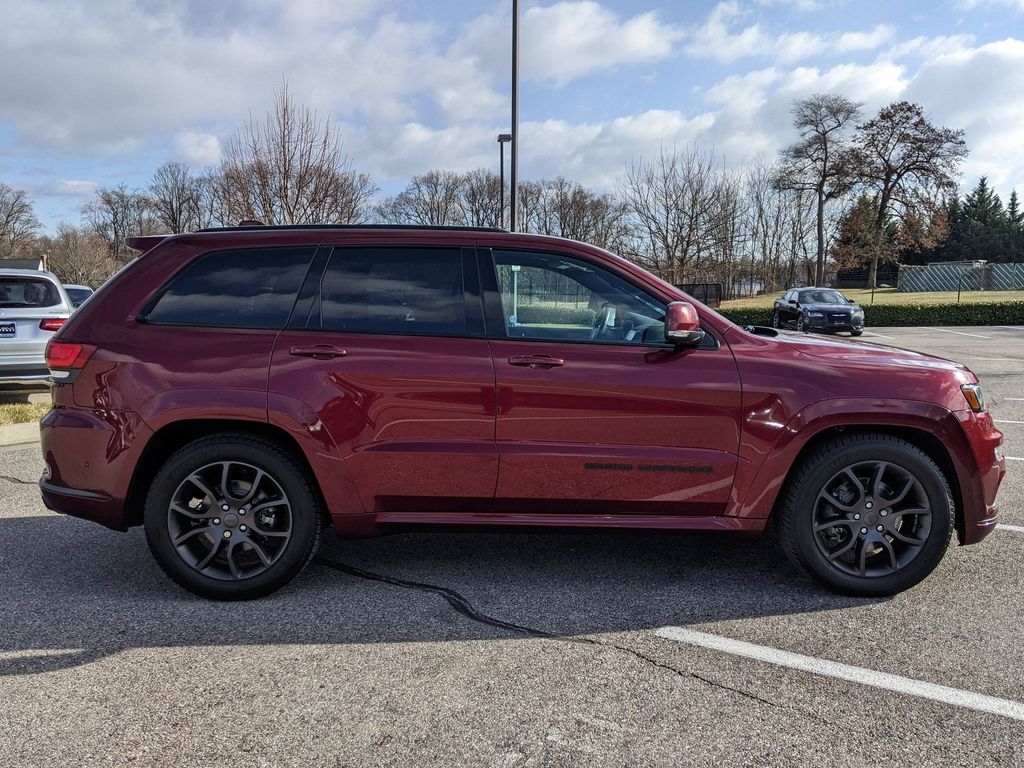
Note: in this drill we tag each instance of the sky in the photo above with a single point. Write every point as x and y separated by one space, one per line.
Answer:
101 92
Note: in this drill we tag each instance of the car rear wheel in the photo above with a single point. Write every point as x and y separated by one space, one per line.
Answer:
776 323
232 517
867 515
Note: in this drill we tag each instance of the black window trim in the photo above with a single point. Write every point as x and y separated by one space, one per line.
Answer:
470 286
495 322
143 315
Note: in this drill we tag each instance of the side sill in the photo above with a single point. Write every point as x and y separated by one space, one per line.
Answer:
750 526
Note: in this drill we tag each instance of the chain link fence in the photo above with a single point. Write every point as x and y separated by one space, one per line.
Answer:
960 276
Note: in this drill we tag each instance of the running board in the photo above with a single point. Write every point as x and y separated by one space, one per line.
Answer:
663 522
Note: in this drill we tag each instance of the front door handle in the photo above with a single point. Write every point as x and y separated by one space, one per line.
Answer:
536 361
318 352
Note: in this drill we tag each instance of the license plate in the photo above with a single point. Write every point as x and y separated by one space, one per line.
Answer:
6 330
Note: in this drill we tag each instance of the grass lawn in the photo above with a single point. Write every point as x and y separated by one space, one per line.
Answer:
892 296
19 413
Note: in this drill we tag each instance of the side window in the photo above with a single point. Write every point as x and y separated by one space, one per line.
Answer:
410 290
558 298
251 288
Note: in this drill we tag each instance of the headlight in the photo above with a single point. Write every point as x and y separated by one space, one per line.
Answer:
815 314
858 313
974 396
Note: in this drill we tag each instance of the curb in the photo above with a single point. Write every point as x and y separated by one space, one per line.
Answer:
15 434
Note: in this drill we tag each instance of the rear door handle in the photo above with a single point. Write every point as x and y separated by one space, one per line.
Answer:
318 352
536 361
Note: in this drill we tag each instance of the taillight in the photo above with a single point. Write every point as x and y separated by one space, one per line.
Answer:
66 356
52 323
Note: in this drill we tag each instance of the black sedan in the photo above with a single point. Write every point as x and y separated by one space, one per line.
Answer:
817 309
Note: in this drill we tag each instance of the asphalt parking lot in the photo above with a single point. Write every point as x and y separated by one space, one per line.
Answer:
505 649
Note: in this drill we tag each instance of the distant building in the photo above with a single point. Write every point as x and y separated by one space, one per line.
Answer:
36 264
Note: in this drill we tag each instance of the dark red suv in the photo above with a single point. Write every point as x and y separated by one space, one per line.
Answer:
234 390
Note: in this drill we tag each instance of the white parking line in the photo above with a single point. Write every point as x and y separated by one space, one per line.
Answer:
1007 421
880 335
1014 528
1015 399
941 693
958 333
1013 458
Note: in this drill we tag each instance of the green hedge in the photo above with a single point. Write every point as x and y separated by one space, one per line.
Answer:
882 315
531 315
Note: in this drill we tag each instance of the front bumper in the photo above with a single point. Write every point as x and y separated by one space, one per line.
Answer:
981 484
826 323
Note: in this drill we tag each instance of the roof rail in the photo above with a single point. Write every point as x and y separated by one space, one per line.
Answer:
265 227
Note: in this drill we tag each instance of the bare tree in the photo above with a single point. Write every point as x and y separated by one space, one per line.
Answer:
290 169
823 161
118 213
480 198
431 199
671 199
77 255
567 209
18 222
908 164
176 197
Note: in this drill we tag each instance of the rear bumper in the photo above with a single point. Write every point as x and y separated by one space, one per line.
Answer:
90 456
24 374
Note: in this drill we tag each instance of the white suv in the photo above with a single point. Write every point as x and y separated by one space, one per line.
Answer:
33 307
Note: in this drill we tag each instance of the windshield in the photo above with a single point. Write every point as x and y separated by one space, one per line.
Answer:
78 295
28 292
822 297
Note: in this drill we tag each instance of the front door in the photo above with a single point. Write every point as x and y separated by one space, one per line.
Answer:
596 413
389 354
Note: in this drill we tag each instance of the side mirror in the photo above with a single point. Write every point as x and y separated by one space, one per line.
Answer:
682 324
794 302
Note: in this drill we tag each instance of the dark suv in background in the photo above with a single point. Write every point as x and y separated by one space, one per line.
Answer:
817 309
233 390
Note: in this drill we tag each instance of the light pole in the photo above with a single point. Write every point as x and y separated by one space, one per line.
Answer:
503 139
514 170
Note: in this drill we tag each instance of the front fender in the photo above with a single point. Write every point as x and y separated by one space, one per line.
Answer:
769 450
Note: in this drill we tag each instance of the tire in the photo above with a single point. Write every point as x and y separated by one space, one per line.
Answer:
856 333
842 556
266 536
801 324
775 320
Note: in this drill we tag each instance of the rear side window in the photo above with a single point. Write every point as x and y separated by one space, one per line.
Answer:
394 290
28 293
252 288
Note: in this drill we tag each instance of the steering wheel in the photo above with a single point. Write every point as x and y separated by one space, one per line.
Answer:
601 321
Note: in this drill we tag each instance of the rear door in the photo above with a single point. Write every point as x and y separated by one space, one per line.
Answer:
597 414
388 354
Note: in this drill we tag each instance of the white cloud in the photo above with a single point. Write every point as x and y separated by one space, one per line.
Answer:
721 38
62 188
564 41
197 148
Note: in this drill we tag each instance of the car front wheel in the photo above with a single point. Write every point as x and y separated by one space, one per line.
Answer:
867 514
232 517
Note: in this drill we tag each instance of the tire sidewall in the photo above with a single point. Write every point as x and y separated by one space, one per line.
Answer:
939 499
305 517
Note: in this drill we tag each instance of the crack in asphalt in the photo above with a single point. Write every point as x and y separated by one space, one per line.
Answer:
17 480
465 608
